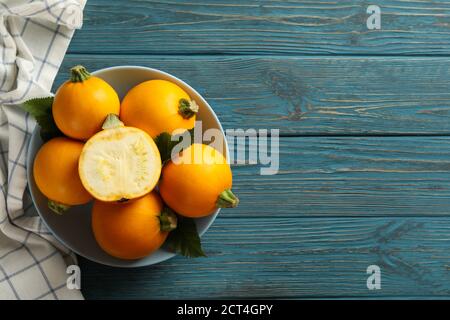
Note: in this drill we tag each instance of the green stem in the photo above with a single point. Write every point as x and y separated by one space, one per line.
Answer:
227 199
79 74
187 108
112 121
168 220
57 207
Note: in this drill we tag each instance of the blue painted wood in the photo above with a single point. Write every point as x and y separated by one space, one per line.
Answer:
293 258
263 27
338 204
270 247
310 96
349 176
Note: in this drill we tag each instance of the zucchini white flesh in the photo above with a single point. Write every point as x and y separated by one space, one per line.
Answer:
119 163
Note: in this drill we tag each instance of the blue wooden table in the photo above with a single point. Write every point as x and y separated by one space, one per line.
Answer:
364 119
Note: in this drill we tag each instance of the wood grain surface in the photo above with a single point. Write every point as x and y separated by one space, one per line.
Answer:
364 154
293 258
310 96
349 176
263 27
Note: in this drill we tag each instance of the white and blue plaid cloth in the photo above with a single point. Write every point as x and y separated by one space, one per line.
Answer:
34 36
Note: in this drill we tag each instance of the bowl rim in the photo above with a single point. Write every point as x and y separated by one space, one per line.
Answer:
170 255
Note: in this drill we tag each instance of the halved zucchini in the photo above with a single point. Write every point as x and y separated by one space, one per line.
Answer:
119 163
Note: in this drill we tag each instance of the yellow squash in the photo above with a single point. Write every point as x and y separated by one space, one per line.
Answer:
158 106
55 171
197 182
119 163
82 104
134 229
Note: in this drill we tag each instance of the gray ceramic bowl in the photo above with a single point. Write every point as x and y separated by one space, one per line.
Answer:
73 229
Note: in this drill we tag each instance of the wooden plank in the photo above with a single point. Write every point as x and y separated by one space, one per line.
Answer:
342 176
292 258
263 27
312 96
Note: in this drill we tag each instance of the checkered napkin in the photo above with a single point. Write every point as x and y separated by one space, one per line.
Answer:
34 36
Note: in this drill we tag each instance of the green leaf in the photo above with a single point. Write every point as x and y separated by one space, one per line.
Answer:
41 110
39 106
165 144
57 207
185 240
